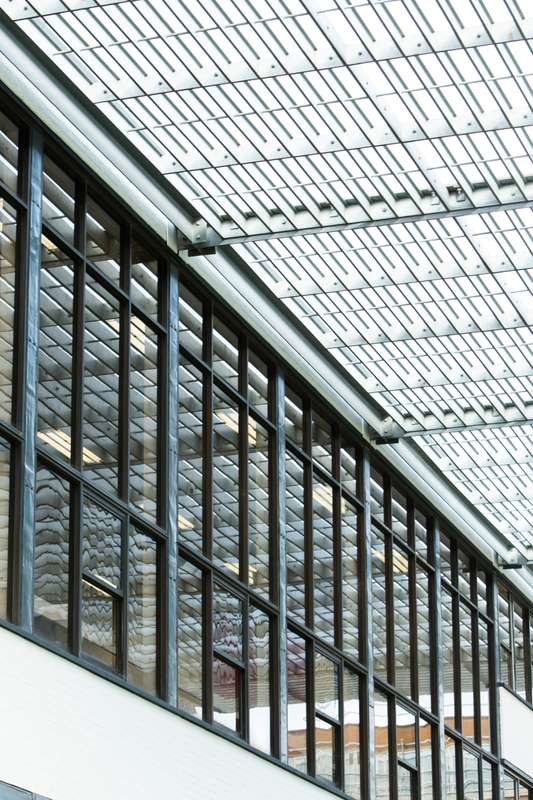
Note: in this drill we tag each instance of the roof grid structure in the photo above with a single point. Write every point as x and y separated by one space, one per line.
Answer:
371 160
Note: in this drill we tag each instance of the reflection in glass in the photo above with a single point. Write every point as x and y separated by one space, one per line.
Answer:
99 624
464 572
9 152
323 560
103 240
144 279
519 650
486 774
5 459
321 440
143 417
402 621
258 507
377 496
447 656
190 322
58 200
258 383
351 733
294 510
297 709
226 483
467 678
381 746
421 533
101 544
423 650
470 775
226 694
259 679
450 775
293 416
227 623
399 513
8 238
190 646
445 557
51 557
426 763
406 736
348 465
326 686
101 388
56 299
350 579
406 783
484 683
325 750
225 353
379 605
190 455
142 611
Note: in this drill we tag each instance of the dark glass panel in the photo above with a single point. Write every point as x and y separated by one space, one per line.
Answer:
99 625
423 652
399 513
258 507
297 708
101 388
467 677
322 441
190 322
470 775
226 483
190 645
325 750
381 746
8 240
226 695
450 762
447 654
377 496
351 734
51 557
58 200
294 417
144 279
348 475
190 460
5 471
142 611
144 467
350 579
56 299
426 763
225 353
227 623
402 621
9 152
294 509
323 560
259 679
326 686
484 684
379 605
258 384
103 240
101 544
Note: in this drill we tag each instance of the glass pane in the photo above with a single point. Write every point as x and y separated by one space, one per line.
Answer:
294 510
486 769
51 557
504 635
402 621
190 647
406 783
423 652
9 152
227 623
297 708
225 353
58 200
508 787
351 722
55 350
226 694
519 650
144 279
5 471
377 496
144 415
350 579
325 750
470 775
101 388
484 684
258 507
103 241
142 611
445 557
447 652
464 573
421 536
190 455
323 560
258 384
467 678
426 763
399 513
190 322
406 736
101 543
379 605
381 746
450 777
99 625
259 679
326 686
322 441
482 591
294 417
348 476
226 483
8 239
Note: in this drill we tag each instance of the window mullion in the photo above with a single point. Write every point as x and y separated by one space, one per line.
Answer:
280 576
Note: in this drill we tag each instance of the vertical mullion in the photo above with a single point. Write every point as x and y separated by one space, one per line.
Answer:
207 444
527 652
280 576
123 633
393 749
169 380
124 368
437 678
207 677
310 693
457 682
337 546
244 726
389 600
413 634
243 463
367 757
494 679
27 356
308 518
475 676
339 730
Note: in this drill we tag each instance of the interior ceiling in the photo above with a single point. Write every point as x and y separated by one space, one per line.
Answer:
371 161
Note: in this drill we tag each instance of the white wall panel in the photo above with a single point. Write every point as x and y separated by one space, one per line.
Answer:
516 732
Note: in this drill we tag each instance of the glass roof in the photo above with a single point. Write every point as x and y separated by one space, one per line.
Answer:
371 160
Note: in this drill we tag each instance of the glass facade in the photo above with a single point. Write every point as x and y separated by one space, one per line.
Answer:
281 583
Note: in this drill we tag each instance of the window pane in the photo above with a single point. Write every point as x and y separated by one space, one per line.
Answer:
504 635
322 441
402 621
258 384
190 647
144 414
103 240
406 783
423 652
227 623
101 544
294 510
5 459
51 557
326 686
226 483
381 746
377 496
450 780
508 787
464 573
467 679
9 152
351 721
487 781
519 650
58 200
226 695
190 322
323 560
297 708
399 513
142 611
379 605
55 350
144 279
259 679
484 684
447 652
350 579
99 625
470 775
325 750
421 537
406 736
225 353
101 388
190 462
258 507
348 469
445 557
293 417
8 237
426 763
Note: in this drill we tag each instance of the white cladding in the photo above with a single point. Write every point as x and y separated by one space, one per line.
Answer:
67 733
516 732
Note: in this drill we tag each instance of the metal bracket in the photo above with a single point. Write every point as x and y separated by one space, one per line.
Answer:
390 432
204 240
515 560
